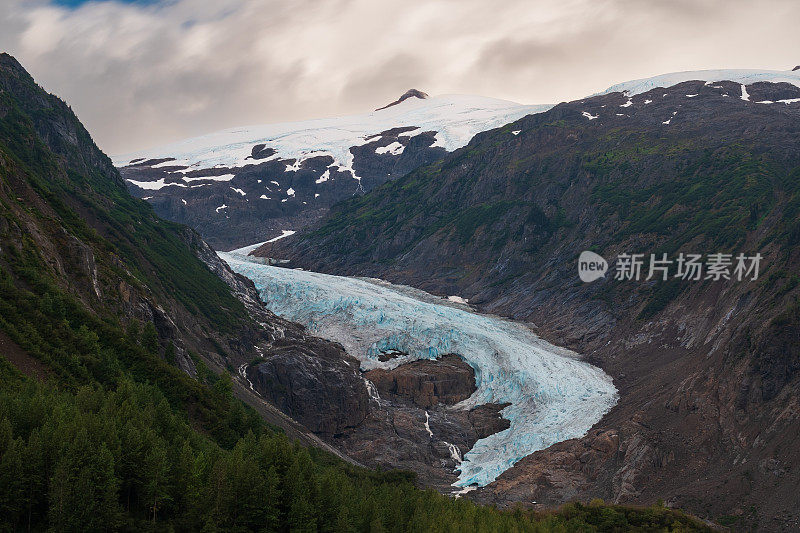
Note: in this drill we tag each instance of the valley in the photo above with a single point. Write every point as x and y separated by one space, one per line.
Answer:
706 371
675 163
411 317
550 395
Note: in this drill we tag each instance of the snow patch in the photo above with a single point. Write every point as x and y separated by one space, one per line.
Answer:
589 115
786 101
155 185
222 177
394 148
284 233
461 492
455 453
325 177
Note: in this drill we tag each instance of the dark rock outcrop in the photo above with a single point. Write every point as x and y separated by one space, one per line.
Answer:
487 420
427 383
314 383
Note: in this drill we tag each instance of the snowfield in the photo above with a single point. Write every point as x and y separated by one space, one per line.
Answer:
454 118
554 395
742 76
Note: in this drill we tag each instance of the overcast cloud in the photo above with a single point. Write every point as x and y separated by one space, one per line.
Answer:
139 76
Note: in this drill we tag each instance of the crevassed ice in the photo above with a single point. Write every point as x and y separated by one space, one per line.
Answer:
554 396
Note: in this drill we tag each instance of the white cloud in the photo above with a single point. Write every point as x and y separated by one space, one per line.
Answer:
144 75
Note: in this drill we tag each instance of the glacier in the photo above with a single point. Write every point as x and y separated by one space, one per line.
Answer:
554 396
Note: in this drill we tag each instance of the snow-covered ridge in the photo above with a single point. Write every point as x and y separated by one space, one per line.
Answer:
742 76
454 118
554 395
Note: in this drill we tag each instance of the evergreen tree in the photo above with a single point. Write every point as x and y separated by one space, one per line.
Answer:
83 494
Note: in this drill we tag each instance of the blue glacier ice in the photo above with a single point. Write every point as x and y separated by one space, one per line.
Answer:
554 395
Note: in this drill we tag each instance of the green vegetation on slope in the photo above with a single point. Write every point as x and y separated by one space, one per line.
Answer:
122 459
80 185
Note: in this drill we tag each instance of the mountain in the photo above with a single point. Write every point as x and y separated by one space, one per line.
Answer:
246 185
119 332
708 371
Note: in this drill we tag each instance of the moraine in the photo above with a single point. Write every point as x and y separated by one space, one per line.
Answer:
554 396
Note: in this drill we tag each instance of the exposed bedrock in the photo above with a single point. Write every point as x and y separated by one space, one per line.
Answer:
426 383
412 425
320 388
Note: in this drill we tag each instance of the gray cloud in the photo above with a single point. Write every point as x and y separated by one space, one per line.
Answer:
140 76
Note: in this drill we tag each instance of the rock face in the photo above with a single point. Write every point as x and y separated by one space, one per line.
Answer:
316 385
425 383
408 421
263 197
707 371
487 420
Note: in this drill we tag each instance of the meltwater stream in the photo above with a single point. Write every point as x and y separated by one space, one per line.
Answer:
554 396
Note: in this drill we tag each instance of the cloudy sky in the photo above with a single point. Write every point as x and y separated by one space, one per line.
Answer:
146 72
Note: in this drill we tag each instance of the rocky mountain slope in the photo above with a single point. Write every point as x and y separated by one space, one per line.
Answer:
707 370
70 231
246 185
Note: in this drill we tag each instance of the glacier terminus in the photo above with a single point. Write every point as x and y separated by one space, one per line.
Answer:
554 396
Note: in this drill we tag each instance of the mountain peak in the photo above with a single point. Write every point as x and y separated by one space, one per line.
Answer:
7 58
10 66
411 93
796 68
